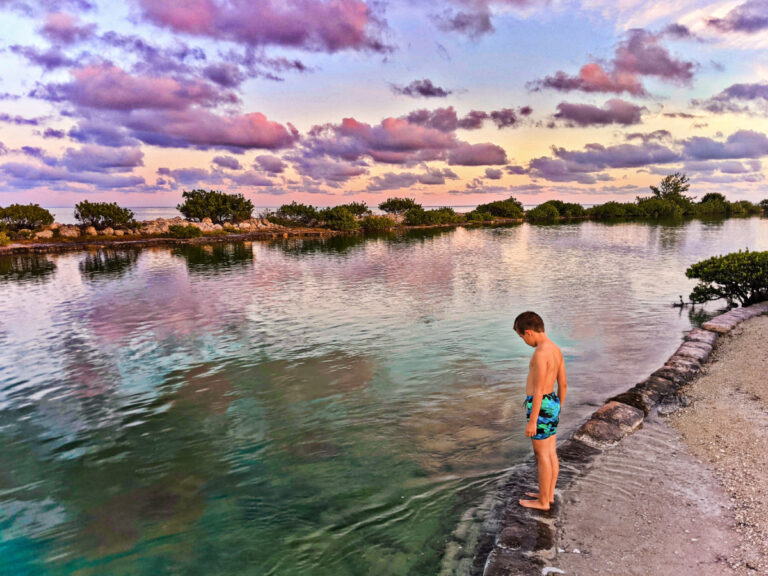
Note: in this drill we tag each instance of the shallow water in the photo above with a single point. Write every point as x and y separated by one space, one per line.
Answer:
306 407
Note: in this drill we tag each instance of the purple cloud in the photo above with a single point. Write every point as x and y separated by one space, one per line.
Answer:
515 169
421 88
250 178
334 172
615 111
322 26
25 176
92 158
504 118
270 164
493 174
224 74
472 24
473 120
53 133
32 151
18 120
639 54
649 136
750 17
443 119
108 87
391 181
466 154
50 59
740 144
736 98
102 132
227 162
62 28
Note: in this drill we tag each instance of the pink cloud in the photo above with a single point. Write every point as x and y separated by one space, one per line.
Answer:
61 28
466 154
328 26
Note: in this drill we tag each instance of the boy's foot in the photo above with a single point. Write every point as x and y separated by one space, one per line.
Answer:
536 496
534 504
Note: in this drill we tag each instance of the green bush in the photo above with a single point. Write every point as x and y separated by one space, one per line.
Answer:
339 218
741 276
20 216
745 208
102 215
357 208
567 209
218 206
373 223
182 231
672 188
295 214
654 207
713 206
608 211
712 197
420 217
398 205
4 240
543 213
764 205
509 208
478 216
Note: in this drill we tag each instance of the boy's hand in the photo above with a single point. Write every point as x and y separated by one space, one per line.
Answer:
530 429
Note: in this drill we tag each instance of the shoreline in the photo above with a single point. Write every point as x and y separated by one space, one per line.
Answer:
514 540
272 233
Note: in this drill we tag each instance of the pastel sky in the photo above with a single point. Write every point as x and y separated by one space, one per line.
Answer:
327 101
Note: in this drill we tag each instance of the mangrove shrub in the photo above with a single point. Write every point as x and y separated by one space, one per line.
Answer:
398 205
20 216
655 207
218 206
764 205
419 217
739 276
543 213
295 214
567 209
182 231
339 218
102 215
375 223
509 208
4 240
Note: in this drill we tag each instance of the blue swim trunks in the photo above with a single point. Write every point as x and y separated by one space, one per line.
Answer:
549 415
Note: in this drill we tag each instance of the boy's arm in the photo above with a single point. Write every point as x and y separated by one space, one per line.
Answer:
539 374
562 385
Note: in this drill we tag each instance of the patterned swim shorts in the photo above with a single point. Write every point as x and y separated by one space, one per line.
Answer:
549 415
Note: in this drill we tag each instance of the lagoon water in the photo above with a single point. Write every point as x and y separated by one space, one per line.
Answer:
307 407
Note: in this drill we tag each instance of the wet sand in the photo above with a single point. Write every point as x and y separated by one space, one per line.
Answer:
686 493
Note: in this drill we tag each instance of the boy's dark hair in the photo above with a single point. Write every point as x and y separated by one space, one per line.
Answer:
528 321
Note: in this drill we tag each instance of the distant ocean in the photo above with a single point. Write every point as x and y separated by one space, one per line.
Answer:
65 214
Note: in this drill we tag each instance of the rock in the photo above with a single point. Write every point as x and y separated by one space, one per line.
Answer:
90 231
244 225
207 221
696 350
119 233
108 231
609 424
55 226
44 234
69 232
704 336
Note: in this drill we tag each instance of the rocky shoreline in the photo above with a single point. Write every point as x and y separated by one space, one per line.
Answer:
513 540
65 238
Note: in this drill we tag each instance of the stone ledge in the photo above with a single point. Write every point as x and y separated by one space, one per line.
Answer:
609 424
726 322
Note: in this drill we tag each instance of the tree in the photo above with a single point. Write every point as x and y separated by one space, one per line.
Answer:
712 197
218 206
101 215
741 276
672 186
21 216
509 208
764 205
398 205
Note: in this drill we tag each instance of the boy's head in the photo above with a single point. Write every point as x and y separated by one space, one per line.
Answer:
528 323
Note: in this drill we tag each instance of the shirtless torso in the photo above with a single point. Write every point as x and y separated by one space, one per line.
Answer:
548 360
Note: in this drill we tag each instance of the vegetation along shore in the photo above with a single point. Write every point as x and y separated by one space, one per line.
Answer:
211 216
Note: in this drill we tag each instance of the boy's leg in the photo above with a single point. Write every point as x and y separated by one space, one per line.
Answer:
544 465
555 466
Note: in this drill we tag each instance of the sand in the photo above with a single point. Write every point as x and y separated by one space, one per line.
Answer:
686 494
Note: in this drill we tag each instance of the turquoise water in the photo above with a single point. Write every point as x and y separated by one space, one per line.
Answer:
297 407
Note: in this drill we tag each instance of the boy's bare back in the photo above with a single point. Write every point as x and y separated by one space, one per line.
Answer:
548 360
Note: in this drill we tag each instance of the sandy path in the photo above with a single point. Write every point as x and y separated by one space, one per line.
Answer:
687 494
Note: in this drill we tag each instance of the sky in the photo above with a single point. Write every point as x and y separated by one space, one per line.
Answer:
330 101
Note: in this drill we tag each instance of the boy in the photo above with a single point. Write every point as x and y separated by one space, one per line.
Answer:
542 405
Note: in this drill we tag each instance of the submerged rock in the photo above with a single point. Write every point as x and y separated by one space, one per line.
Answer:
609 424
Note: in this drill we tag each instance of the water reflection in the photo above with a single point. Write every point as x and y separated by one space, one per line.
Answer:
107 262
307 407
215 258
25 267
